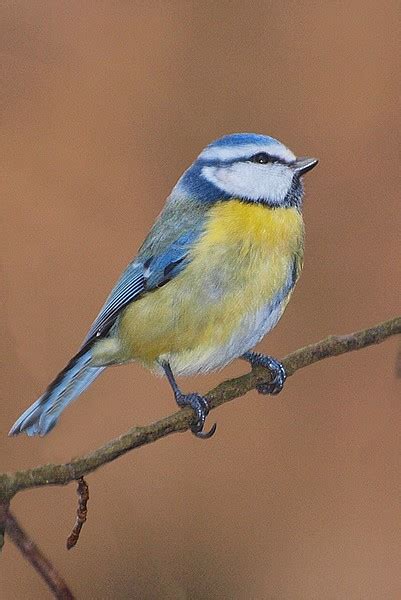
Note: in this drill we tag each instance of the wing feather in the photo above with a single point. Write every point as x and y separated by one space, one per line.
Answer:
146 273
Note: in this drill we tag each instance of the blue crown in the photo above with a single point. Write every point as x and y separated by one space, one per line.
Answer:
243 139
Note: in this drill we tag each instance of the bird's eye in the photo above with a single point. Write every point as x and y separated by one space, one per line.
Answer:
261 158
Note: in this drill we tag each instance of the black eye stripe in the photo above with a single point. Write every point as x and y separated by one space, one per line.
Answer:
263 158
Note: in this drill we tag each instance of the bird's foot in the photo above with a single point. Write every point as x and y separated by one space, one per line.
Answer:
274 366
200 407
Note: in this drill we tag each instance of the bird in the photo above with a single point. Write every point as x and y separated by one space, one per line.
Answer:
211 279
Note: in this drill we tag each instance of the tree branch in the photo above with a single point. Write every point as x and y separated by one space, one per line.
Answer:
12 483
33 555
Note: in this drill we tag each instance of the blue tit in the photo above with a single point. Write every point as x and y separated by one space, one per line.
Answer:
210 280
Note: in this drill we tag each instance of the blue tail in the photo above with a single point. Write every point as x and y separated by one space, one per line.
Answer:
42 415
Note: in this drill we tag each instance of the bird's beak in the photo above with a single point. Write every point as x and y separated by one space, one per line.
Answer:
303 165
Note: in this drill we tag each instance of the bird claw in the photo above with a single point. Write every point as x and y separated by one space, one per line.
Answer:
205 435
200 406
276 369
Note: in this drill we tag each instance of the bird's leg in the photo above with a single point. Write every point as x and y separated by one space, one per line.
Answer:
197 402
275 367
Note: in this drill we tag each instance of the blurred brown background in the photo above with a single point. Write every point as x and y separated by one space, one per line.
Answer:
103 104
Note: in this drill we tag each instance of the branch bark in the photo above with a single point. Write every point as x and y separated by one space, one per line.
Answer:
33 555
62 474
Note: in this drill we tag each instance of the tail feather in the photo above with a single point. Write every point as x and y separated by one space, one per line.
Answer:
42 415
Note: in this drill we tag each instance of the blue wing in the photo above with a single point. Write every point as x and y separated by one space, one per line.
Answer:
144 274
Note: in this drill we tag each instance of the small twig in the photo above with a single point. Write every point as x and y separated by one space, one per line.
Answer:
82 512
398 364
4 506
33 555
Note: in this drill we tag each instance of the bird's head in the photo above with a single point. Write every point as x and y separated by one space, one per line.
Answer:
248 166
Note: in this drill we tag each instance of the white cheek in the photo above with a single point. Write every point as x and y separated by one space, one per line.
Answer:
249 180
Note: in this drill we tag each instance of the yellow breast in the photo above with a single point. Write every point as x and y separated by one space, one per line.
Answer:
252 227
239 264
